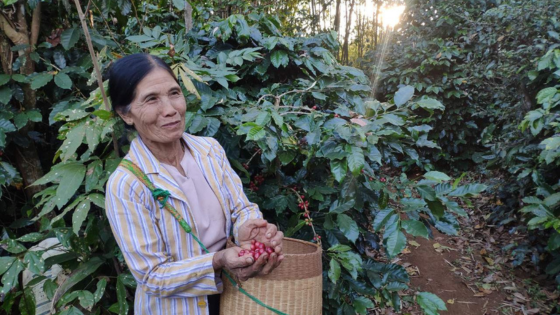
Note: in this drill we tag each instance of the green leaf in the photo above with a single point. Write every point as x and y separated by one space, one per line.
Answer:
381 218
14 246
554 242
6 263
356 160
403 95
41 80
340 248
20 78
340 208
86 299
4 78
412 204
73 141
10 278
436 207
63 81
263 119
319 95
393 119
20 120
71 311
27 302
437 176
179 4
256 133
383 200
546 94
430 303
279 58
79 215
101 284
339 168
361 304
552 200
430 103
32 237
79 274
34 262
121 296
69 38
5 95
427 192
334 271
468 190
72 176
189 85
395 243
103 114
286 157
49 287
348 227
34 115
415 228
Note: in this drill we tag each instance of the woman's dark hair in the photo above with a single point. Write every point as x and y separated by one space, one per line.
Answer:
126 73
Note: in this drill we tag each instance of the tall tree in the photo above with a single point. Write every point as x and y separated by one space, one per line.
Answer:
17 31
349 13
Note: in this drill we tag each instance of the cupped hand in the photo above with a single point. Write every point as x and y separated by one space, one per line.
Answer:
264 264
261 231
229 259
245 267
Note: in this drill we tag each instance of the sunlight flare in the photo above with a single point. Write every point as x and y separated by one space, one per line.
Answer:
391 15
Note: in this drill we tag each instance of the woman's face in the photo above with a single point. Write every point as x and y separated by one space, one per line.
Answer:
158 109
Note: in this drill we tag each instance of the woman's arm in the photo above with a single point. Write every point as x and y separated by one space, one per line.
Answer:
241 208
141 243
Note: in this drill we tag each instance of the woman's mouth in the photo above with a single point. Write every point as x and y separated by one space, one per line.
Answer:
171 125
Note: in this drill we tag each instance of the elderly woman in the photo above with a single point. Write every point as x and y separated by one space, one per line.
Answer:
174 274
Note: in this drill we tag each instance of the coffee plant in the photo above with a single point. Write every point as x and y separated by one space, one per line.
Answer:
312 146
494 65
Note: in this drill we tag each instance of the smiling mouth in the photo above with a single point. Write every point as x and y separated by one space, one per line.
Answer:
170 125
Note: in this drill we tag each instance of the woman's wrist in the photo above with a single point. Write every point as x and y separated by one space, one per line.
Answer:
217 260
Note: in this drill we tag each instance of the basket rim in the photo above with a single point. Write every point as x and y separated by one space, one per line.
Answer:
317 250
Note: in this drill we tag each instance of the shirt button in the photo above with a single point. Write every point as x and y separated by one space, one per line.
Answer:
202 304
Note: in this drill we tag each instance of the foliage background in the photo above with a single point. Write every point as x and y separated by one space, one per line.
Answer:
297 123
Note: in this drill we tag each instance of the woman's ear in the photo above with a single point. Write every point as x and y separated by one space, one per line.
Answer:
126 118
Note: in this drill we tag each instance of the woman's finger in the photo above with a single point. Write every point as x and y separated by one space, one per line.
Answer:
277 239
278 249
271 230
240 262
259 264
272 263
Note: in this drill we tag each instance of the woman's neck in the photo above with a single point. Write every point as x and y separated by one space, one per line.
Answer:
168 153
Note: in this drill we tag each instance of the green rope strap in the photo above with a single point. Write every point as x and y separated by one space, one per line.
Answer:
162 197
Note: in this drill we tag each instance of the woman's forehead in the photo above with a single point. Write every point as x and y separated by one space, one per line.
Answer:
157 81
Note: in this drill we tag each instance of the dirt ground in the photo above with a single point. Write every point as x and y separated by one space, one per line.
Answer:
435 272
473 273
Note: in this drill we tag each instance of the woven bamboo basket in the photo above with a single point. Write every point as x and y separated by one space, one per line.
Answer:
295 287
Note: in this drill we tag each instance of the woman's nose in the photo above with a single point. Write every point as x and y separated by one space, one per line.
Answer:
167 107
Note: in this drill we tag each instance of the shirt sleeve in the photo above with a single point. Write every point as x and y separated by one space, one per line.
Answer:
138 236
240 207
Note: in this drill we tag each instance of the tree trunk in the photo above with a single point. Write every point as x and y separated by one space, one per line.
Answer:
337 24
188 17
376 22
27 158
347 33
337 18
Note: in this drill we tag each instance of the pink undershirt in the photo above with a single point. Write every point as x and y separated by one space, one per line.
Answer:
204 205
